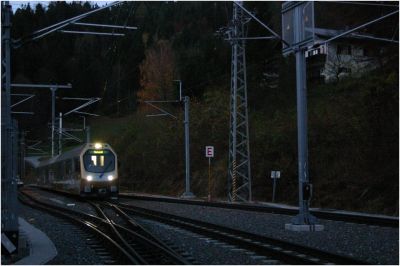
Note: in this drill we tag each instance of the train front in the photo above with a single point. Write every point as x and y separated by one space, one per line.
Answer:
99 175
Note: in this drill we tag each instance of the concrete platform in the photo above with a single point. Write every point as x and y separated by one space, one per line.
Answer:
41 248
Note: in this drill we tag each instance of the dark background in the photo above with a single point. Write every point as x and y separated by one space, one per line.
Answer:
353 124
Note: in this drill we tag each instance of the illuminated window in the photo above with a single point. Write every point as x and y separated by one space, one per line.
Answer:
94 159
97 160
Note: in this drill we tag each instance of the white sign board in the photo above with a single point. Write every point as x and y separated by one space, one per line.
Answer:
209 151
275 174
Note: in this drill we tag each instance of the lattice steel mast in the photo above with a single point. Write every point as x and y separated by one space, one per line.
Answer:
239 174
9 131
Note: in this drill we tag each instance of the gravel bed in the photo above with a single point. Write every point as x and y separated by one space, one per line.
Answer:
62 201
202 250
373 244
70 241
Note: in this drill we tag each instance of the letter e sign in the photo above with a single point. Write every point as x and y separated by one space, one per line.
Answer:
209 151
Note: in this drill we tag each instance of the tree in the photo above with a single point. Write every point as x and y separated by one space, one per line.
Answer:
157 72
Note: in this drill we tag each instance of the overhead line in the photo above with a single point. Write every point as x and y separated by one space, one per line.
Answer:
374 38
358 27
259 21
47 30
47 86
105 26
362 3
92 33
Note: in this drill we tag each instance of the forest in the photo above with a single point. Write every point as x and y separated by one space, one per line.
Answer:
352 122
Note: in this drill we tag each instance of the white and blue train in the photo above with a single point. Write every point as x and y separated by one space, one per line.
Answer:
90 169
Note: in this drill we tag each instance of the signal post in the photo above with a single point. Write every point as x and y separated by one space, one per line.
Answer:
298 34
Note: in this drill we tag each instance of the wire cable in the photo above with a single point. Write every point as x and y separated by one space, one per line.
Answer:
361 3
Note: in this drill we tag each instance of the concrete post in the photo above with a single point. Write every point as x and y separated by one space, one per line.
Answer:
60 135
53 118
22 162
187 193
88 134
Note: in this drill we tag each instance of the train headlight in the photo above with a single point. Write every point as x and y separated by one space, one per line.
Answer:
110 178
89 178
98 146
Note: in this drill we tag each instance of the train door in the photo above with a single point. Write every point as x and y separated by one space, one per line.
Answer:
77 173
51 176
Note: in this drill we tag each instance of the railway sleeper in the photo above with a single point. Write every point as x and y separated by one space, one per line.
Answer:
207 229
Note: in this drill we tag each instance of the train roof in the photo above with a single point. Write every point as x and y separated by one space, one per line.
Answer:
63 156
69 154
74 152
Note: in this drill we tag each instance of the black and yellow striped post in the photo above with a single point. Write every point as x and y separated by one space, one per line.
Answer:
234 181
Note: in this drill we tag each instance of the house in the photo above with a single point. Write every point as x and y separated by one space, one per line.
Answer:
351 55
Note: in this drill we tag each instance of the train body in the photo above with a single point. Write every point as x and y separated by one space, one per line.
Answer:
90 169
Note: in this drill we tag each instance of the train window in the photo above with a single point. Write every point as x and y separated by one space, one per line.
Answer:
77 164
68 166
98 161
63 168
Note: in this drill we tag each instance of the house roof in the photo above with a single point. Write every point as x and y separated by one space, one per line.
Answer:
327 32
324 34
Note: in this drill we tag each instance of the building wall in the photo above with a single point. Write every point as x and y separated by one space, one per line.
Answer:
344 60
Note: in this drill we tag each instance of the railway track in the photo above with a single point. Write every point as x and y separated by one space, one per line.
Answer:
285 252
135 237
128 243
275 249
328 215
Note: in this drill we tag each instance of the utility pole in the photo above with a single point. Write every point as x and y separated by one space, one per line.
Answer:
9 217
53 117
87 134
239 172
9 204
60 134
302 139
53 88
187 193
84 122
186 123
77 110
301 16
22 154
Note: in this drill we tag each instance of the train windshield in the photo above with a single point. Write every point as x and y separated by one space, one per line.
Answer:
99 161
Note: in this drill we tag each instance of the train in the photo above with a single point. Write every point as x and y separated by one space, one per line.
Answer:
87 170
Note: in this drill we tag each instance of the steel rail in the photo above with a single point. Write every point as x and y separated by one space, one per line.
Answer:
123 257
158 255
126 237
328 215
146 233
285 251
116 233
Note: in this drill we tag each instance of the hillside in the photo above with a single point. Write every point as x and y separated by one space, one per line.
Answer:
353 139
